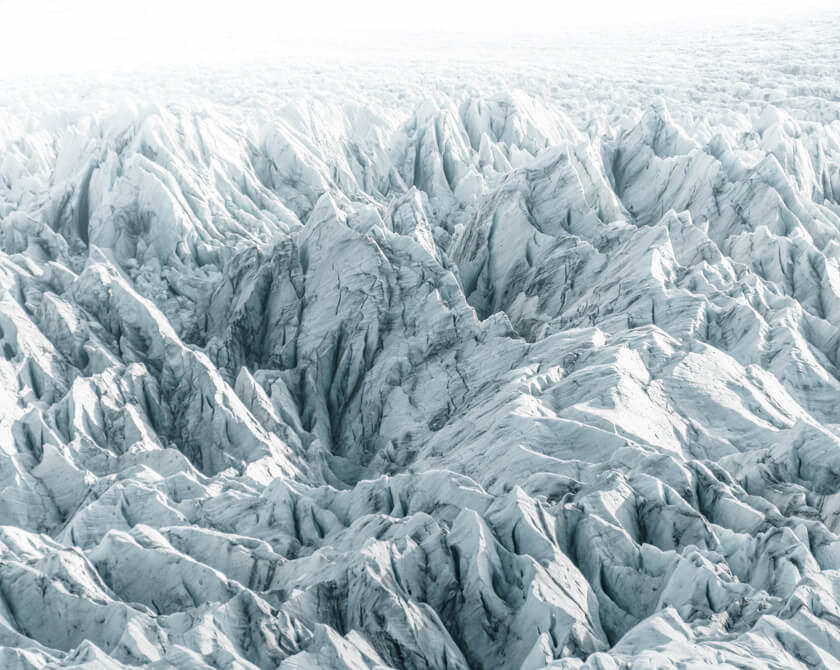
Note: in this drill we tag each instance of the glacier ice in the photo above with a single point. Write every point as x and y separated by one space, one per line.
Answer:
461 380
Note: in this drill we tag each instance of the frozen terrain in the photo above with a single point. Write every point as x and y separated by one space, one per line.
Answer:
524 357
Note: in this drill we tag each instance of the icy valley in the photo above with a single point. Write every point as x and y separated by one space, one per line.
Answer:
525 358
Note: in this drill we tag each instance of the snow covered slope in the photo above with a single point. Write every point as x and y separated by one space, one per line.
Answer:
498 378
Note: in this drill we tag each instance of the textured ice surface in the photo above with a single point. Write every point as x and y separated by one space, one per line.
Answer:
356 365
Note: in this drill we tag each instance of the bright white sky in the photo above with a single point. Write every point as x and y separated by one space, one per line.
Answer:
53 36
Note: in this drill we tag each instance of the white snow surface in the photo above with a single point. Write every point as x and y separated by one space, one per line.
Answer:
523 357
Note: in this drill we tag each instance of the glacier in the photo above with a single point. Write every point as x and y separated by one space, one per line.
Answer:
406 376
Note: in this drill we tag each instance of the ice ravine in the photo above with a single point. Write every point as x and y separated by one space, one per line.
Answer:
486 380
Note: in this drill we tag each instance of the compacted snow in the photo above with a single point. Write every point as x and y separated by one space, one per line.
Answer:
527 356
